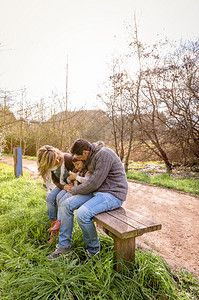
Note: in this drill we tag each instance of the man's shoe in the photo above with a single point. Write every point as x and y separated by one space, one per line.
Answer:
91 254
58 252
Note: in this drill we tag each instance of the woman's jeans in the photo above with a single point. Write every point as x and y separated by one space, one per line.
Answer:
53 200
87 207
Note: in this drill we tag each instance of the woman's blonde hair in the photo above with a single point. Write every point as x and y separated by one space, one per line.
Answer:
46 158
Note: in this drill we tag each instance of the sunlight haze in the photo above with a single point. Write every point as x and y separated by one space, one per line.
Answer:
38 37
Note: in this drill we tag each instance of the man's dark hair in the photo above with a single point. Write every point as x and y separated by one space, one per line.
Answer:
79 146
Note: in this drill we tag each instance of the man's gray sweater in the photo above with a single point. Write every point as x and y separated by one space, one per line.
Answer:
107 173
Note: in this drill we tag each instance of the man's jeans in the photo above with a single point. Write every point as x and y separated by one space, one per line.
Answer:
53 200
87 206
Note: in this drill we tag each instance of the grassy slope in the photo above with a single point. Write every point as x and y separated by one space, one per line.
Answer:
27 274
182 184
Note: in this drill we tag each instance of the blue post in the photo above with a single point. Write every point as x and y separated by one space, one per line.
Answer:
18 162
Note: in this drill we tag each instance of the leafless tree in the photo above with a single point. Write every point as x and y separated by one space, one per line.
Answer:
175 86
121 106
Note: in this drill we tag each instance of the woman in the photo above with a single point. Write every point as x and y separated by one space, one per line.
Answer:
52 162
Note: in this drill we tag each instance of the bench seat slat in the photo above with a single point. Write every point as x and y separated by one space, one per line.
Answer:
117 227
123 226
115 213
135 216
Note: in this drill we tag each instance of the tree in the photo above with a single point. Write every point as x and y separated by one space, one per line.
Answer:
158 97
180 95
121 106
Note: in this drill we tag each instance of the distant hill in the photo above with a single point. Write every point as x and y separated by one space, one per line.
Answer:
92 125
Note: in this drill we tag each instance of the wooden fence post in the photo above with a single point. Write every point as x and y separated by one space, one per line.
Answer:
18 162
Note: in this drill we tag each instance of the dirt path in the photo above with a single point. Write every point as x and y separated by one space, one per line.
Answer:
29 166
178 240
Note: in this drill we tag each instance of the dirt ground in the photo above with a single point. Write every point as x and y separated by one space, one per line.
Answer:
178 240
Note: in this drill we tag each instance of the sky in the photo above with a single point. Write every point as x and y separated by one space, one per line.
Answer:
39 38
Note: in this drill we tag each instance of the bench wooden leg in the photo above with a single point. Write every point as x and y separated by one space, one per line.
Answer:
125 250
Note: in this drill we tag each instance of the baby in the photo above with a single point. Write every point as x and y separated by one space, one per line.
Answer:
82 174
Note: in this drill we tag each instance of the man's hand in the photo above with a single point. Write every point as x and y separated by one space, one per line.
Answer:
68 188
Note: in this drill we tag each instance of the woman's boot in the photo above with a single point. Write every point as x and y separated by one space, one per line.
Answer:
53 236
54 232
52 224
56 225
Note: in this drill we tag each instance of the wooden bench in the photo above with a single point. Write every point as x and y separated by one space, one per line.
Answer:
124 225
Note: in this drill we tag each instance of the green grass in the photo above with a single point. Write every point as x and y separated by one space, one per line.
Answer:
168 181
27 274
29 157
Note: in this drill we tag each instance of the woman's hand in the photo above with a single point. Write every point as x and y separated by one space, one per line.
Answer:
72 176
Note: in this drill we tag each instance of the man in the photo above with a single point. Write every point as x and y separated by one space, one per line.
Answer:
106 189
